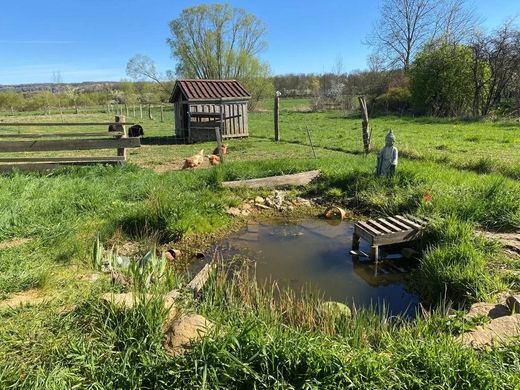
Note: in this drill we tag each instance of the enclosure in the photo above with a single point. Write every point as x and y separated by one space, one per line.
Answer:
200 106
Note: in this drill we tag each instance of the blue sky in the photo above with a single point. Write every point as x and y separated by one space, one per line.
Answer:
93 39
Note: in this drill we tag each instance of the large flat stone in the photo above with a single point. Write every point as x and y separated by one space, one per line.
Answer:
491 310
501 330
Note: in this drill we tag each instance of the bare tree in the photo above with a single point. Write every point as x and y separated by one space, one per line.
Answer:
406 26
143 68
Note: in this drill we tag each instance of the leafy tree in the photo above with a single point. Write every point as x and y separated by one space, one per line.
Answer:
220 42
441 80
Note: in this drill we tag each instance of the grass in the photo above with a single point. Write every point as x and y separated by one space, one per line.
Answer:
462 173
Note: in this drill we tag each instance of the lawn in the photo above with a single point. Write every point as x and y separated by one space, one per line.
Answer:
50 222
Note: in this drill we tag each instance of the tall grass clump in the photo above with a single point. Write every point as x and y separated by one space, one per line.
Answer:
456 265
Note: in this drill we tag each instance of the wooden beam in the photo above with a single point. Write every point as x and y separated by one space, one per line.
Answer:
297 179
33 167
201 278
63 123
61 135
61 159
58 145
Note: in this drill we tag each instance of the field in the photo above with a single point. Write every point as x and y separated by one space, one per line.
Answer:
466 173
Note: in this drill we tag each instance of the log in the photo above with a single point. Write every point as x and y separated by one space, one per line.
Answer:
297 179
201 278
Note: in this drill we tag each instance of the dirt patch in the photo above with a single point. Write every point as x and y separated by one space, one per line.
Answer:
14 243
30 297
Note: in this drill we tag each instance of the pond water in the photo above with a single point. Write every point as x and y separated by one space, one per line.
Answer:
316 254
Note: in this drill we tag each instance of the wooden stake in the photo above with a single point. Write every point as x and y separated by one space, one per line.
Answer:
162 113
276 116
310 141
121 118
141 110
150 112
365 125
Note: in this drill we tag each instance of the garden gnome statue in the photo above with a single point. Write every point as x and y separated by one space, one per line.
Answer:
387 157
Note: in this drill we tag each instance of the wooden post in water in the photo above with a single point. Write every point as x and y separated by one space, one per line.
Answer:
121 118
277 116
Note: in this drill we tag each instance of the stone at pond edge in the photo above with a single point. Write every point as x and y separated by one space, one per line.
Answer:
334 212
234 211
181 333
336 308
259 200
498 331
513 302
487 309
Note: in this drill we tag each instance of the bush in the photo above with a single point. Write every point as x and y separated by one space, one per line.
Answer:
395 100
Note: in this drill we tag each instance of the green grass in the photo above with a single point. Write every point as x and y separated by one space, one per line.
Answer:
469 169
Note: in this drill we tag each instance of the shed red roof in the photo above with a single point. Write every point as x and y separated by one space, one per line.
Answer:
200 89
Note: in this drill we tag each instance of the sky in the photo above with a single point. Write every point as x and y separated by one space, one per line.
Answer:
92 40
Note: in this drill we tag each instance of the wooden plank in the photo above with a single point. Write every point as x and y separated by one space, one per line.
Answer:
60 135
33 167
378 226
396 238
205 114
201 278
64 123
369 228
408 222
57 145
364 234
61 159
398 223
389 225
297 179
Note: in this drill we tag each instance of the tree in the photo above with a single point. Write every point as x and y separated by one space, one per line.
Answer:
441 80
406 26
220 42
142 68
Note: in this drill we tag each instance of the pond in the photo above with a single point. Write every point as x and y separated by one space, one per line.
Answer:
316 254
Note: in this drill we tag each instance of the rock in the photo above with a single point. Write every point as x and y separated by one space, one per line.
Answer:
181 333
409 253
263 206
334 212
487 309
259 200
513 302
302 202
128 300
499 331
25 298
246 207
172 254
234 211
336 309
118 279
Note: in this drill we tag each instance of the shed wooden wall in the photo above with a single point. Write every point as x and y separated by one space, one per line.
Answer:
233 127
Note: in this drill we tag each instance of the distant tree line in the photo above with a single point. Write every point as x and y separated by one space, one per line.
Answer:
65 96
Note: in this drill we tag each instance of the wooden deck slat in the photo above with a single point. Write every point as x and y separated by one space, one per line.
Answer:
389 225
369 228
408 222
379 226
398 223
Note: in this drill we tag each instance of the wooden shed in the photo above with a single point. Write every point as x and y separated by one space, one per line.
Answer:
203 105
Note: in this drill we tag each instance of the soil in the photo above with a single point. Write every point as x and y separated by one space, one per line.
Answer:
28 297
13 243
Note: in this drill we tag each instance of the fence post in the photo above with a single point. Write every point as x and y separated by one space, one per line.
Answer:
162 114
277 116
141 110
150 111
121 118
365 130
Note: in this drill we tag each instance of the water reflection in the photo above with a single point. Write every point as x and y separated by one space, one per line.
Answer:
316 254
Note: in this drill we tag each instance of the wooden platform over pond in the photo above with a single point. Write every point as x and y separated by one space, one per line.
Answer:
387 231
